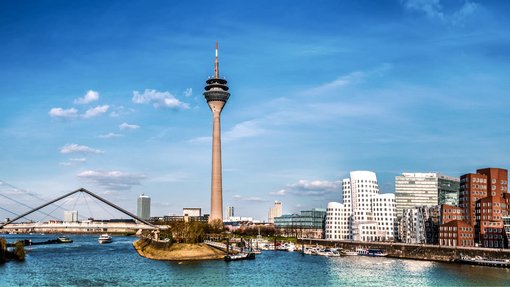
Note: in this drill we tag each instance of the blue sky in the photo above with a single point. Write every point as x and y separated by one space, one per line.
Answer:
107 95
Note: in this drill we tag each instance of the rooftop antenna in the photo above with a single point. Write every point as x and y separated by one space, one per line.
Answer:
216 64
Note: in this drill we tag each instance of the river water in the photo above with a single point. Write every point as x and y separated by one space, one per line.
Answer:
87 263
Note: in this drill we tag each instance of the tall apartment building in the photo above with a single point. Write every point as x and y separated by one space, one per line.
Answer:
71 216
275 211
143 207
365 214
484 201
418 189
229 213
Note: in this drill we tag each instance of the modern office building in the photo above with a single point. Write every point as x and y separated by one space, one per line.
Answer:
230 213
71 216
309 223
364 215
419 189
275 211
216 93
143 207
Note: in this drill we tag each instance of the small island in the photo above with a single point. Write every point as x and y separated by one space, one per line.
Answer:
182 241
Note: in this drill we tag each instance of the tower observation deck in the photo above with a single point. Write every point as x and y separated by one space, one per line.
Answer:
216 93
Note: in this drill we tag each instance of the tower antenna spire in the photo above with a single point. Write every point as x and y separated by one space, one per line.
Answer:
216 64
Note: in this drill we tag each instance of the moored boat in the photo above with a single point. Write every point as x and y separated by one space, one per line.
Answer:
239 256
478 260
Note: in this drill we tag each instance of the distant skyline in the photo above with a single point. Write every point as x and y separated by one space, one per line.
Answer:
107 95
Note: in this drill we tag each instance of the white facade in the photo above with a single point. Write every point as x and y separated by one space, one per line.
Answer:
275 211
143 207
364 215
71 216
192 211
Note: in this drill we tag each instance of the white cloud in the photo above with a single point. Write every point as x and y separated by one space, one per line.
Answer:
63 113
158 99
309 188
126 126
110 136
89 97
74 148
111 180
94 112
188 93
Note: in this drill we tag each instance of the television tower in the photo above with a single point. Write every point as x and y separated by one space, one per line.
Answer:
216 93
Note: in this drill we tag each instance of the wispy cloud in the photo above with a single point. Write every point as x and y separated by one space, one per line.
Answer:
89 97
96 111
244 129
110 136
74 161
111 180
126 126
188 93
75 148
434 9
158 99
249 198
309 188
63 113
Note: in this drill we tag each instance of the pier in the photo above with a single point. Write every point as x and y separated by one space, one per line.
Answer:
415 251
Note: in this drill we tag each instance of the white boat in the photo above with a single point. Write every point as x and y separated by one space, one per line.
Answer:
287 247
328 253
104 238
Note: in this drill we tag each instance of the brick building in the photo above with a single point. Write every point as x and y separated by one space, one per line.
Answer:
483 202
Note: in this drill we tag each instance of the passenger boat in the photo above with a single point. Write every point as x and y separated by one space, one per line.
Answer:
104 238
371 252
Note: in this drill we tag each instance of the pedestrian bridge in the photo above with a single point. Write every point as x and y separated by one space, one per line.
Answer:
83 226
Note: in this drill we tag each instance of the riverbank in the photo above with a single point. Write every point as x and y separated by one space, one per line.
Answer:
416 251
159 250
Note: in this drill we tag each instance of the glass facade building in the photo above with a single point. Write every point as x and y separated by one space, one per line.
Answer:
417 189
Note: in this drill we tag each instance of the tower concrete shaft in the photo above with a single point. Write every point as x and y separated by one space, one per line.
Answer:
216 93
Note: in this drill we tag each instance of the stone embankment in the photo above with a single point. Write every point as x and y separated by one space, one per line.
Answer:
415 251
160 250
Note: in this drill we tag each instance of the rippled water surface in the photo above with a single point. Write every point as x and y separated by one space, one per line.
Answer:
87 263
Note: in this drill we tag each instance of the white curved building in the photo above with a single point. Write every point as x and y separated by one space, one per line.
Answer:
364 215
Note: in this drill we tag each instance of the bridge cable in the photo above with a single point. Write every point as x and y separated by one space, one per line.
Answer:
88 207
112 216
21 203
64 202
